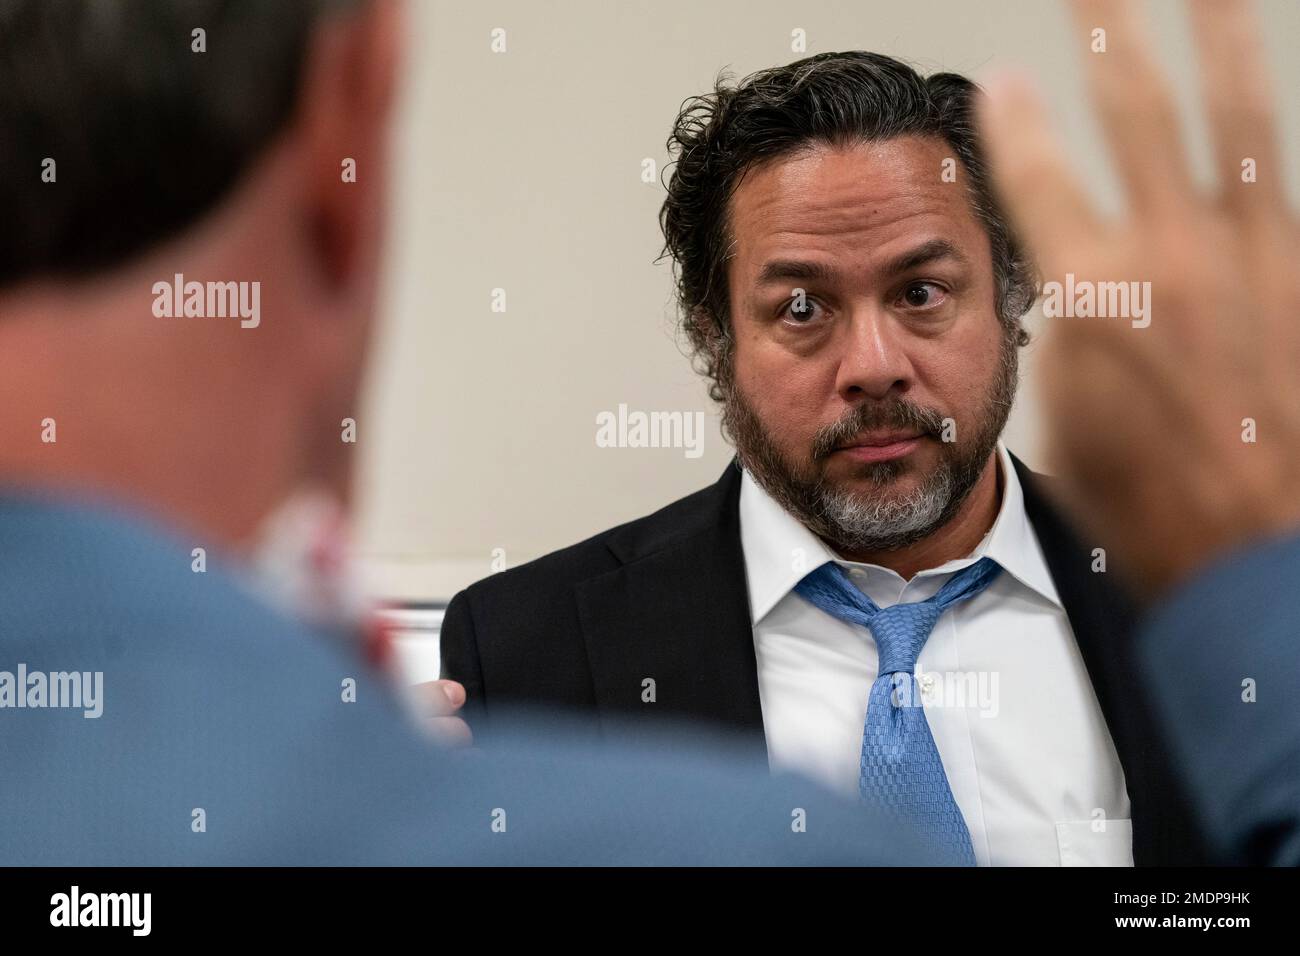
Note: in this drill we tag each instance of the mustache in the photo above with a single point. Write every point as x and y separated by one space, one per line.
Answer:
897 413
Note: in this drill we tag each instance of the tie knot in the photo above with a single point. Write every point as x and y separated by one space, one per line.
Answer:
900 631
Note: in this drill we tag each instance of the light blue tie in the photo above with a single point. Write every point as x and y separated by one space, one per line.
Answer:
900 766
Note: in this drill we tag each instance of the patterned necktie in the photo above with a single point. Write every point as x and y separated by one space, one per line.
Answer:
900 766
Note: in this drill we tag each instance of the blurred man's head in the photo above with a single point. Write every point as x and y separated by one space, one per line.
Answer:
850 288
165 166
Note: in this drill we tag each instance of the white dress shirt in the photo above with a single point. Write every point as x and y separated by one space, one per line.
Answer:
1004 688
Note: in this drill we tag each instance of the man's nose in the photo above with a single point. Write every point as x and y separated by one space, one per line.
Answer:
873 357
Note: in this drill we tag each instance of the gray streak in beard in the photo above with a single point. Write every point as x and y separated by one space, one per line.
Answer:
855 522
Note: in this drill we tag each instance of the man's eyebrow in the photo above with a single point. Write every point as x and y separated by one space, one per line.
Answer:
925 253
793 269
803 270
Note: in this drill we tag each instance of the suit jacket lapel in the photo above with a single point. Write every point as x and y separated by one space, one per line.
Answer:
1104 620
1100 613
676 612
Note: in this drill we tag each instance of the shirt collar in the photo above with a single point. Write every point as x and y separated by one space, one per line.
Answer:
779 550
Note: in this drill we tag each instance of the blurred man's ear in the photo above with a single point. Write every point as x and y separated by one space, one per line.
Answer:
349 80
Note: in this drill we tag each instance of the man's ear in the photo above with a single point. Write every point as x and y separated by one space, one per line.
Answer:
704 327
348 85
713 355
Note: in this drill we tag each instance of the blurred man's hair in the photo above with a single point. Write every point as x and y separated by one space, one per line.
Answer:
146 134
831 98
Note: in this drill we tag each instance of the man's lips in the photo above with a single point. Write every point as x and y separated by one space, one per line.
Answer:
881 446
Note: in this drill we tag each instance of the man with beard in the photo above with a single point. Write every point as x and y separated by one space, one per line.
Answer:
877 592
173 490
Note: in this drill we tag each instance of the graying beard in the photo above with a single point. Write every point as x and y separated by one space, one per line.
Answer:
853 523
841 519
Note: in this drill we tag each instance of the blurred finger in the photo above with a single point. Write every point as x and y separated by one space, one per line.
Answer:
1033 177
449 731
1134 105
438 698
1235 87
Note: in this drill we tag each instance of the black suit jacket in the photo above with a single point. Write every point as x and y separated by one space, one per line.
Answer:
664 598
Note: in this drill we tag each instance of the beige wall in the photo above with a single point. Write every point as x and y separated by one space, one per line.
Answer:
521 170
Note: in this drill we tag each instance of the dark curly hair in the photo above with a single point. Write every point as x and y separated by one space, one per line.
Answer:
834 98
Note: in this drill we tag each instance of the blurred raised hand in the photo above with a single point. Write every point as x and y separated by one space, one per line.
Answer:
1178 440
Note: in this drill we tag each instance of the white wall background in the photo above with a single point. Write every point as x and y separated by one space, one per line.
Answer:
521 170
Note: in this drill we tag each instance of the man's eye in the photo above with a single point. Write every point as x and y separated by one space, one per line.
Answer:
801 309
922 295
